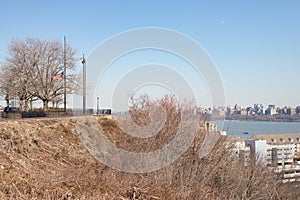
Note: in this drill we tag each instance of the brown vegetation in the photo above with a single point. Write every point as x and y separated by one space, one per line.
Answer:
44 159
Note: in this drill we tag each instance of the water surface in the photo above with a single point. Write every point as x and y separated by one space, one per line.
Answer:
237 128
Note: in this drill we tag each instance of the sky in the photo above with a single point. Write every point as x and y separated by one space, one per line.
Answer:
255 45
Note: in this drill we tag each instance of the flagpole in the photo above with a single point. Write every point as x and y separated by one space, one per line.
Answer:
65 74
84 84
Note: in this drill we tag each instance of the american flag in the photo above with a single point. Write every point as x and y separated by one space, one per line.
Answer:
59 76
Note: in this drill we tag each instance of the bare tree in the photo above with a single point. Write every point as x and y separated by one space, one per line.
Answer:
37 68
19 67
7 84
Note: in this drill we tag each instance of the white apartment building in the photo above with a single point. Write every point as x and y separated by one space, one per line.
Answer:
282 154
281 148
270 149
258 150
281 151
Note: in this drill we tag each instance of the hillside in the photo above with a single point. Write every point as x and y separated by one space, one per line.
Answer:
45 159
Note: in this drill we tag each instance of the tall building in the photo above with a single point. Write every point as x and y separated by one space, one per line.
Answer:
271 111
291 111
258 150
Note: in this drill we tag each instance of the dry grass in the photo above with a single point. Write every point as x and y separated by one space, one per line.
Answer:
44 159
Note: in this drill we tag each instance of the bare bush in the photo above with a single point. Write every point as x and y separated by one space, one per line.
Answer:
44 159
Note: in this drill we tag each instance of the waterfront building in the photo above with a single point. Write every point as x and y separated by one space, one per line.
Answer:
287 145
281 151
280 154
258 150
271 111
291 111
244 112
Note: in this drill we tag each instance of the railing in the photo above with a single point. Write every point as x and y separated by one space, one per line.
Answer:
52 113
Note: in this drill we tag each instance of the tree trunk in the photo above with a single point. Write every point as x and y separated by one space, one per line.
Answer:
45 104
31 103
7 99
26 104
7 102
21 104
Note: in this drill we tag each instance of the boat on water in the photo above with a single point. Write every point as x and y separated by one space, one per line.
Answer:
245 132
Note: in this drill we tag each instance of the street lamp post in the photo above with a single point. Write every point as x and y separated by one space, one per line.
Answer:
84 85
98 99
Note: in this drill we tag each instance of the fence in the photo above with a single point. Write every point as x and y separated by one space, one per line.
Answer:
52 113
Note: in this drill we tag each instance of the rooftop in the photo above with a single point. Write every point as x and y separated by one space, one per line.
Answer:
286 138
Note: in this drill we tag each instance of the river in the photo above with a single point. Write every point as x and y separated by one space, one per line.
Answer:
237 128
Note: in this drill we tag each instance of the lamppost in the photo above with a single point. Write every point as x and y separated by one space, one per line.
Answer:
98 101
84 84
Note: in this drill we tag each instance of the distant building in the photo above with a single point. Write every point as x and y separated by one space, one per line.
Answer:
258 149
280 154
211 126
281 151
244 112
271 106
271 111
274 149
258 109
297 152
219 112
286 145
280 111
297 110
291 111
208 125
239 150
230 111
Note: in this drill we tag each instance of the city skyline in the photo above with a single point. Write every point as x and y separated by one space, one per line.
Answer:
255 45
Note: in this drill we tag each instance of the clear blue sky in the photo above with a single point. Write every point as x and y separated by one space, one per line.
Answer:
255 44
